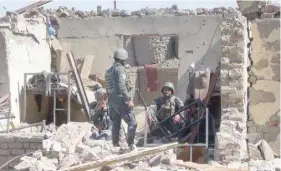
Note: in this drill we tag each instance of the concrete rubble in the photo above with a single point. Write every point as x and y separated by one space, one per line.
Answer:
71 145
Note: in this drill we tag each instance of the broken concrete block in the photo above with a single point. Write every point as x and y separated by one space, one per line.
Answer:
254 153
266 151
68 161
168 159
56 148
80 148
37 155
248 7
47 144
25 164
155 160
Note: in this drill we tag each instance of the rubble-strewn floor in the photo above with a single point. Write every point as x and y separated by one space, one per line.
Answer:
72 144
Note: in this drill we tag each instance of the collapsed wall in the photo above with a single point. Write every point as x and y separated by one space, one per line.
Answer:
24 49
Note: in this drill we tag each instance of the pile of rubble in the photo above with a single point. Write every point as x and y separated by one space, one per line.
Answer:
64 12
75 143
72 144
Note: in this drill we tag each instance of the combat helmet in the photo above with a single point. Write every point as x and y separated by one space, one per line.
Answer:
121 54
169 85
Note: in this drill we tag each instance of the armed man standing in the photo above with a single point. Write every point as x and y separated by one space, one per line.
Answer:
120 104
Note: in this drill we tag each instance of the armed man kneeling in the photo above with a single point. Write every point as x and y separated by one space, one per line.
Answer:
162 108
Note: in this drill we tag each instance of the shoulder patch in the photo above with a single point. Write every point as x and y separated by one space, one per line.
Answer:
123 76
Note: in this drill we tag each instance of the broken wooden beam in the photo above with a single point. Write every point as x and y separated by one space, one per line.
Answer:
86 67
125 157
31 6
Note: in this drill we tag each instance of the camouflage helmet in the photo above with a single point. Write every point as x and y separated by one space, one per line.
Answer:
121 54
169 85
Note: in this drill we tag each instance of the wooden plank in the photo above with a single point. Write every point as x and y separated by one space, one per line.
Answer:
31 6
125 157
80 87
87 66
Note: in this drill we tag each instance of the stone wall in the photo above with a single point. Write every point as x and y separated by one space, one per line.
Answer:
231 139
264 79
12 145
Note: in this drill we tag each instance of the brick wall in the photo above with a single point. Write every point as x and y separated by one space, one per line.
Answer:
12 145
231 139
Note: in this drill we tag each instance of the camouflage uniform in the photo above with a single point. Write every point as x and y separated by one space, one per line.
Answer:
164 107
118 87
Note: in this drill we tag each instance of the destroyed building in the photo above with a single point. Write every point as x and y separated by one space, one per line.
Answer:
243 44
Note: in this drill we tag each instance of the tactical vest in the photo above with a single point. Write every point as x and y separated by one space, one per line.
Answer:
109 85
167 109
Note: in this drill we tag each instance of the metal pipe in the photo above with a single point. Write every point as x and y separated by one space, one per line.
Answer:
145 129
68 99
24 98
190 153
207 126
54 107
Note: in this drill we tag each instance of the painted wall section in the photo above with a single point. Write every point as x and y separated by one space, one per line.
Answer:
27 51
264 93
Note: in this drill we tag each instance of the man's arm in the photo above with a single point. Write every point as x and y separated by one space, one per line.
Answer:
121 88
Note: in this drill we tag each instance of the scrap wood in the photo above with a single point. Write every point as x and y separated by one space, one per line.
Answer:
125 157
204 167
31 6
87 66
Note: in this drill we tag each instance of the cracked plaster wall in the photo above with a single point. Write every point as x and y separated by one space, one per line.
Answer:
26 51
264 79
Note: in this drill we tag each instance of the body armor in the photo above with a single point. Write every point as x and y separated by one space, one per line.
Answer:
167 109
109 85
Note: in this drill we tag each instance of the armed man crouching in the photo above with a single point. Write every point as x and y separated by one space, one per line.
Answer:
100 115
120 104
164 107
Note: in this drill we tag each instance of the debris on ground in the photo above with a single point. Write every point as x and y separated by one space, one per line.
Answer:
72 145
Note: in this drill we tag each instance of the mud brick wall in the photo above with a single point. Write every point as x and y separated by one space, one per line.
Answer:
231 138
15 145
264 82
